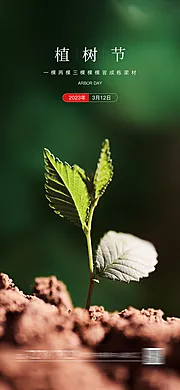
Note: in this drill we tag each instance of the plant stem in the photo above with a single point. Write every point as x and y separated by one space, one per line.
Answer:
88 238
90 255
91 286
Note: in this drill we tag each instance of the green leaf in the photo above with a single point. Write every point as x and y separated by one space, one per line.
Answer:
124 257
87 180
104 171
81 171
66 190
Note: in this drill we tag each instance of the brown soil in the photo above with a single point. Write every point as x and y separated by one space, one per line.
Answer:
47 344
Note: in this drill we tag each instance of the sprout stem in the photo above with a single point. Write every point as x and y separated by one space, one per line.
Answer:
90 255
91 286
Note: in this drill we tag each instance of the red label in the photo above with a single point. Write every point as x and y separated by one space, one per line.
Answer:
76 97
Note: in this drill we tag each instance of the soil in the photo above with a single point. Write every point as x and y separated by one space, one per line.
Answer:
47 344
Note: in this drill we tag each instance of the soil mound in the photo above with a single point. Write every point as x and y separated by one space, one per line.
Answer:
47 344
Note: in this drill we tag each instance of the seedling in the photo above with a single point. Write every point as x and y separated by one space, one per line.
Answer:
74 196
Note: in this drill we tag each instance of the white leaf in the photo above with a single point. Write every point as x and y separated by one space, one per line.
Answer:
124 257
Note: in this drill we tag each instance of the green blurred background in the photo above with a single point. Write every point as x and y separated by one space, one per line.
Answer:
143 128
